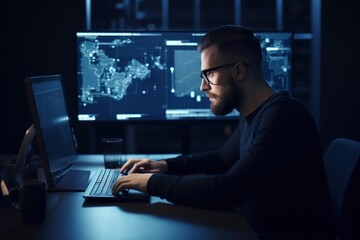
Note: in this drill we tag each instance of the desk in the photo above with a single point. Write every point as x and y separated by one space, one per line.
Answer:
69 217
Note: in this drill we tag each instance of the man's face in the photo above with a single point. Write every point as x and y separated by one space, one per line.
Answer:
220 87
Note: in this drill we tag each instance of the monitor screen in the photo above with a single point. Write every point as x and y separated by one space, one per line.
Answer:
55 138
144 76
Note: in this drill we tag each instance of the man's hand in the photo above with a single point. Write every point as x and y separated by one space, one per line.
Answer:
132 181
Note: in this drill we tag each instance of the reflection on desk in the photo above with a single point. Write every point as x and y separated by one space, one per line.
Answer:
69 216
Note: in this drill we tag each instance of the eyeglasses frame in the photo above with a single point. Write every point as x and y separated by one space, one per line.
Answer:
203 73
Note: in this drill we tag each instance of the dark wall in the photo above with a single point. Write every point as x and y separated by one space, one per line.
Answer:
38 37
340 106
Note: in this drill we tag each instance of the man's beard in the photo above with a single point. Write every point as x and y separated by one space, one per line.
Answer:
226 104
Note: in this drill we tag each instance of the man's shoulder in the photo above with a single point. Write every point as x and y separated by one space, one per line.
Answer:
283 106
283 98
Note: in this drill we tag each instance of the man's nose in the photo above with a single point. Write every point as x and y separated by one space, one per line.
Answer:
204 86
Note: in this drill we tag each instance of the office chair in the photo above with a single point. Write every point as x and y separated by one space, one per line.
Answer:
342 166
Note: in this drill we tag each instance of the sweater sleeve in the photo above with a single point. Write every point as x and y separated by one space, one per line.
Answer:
207 163
191 190
196 190
214 191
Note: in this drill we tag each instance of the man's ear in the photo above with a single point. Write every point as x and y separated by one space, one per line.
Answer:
239 71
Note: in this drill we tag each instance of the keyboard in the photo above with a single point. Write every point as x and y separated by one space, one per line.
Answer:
104 182
100 187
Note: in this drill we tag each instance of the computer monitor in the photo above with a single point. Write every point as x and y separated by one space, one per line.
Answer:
155 75
54 133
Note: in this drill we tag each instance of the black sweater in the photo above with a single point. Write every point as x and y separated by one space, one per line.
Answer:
271 168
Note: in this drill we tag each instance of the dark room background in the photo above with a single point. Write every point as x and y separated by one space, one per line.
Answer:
38 38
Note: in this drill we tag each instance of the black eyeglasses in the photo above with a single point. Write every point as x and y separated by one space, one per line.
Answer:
206 73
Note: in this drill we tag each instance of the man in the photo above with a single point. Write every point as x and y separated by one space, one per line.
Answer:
271 168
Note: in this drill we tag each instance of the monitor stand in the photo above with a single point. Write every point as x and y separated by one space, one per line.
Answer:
24 149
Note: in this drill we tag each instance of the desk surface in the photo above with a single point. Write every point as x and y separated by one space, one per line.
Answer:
69 216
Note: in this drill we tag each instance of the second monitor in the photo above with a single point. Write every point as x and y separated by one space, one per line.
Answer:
142 76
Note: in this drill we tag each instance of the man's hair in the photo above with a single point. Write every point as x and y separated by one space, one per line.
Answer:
233 39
